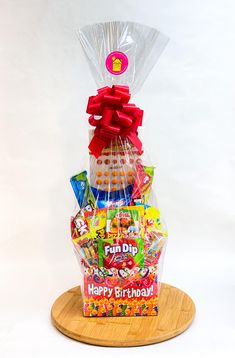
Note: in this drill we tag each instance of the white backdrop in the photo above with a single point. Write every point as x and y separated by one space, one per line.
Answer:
189 131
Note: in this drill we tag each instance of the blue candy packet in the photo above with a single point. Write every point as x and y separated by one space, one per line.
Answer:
112 199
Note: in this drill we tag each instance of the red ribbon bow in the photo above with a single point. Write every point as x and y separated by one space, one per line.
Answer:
118 118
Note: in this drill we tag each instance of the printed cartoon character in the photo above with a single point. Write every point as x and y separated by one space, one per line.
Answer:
144 272
103 272
96 275
134 274
124 273
88 271
98 279
152 269
113 271
133 231
116 64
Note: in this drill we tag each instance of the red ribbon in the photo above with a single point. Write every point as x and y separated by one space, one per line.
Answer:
118 118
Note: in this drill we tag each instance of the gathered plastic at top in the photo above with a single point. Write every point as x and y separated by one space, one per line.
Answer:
142 45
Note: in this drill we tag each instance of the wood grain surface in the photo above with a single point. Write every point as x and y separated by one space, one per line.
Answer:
176 312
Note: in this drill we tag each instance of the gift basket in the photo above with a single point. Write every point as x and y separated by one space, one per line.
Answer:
117 231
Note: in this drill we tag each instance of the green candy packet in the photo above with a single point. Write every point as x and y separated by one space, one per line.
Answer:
123 246
83 192
121 253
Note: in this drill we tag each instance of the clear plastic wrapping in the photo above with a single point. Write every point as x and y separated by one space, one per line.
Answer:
117 232
141 44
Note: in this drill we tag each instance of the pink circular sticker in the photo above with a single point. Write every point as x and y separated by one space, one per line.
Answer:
116 62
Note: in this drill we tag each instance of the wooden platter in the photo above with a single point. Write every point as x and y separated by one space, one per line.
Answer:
176 313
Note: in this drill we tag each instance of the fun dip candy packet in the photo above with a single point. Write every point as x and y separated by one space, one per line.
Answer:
121 253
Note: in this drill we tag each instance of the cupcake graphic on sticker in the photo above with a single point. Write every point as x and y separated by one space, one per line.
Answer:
116 62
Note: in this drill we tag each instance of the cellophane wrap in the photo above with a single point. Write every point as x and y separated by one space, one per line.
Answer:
117 231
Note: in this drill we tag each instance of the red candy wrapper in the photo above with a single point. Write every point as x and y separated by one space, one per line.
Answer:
117 231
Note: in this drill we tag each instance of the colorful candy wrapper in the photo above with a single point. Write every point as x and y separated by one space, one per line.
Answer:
143 182
79 225
121 253
97 223
83 192
154 237
125 222
152 218
113 199
87 248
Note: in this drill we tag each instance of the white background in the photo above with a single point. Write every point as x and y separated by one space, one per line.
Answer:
189 131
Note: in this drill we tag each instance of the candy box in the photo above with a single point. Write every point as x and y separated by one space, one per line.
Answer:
117 231
108 293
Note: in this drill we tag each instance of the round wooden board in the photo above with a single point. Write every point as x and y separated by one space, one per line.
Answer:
176 312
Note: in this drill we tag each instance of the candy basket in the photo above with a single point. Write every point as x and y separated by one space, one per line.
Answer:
117 231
